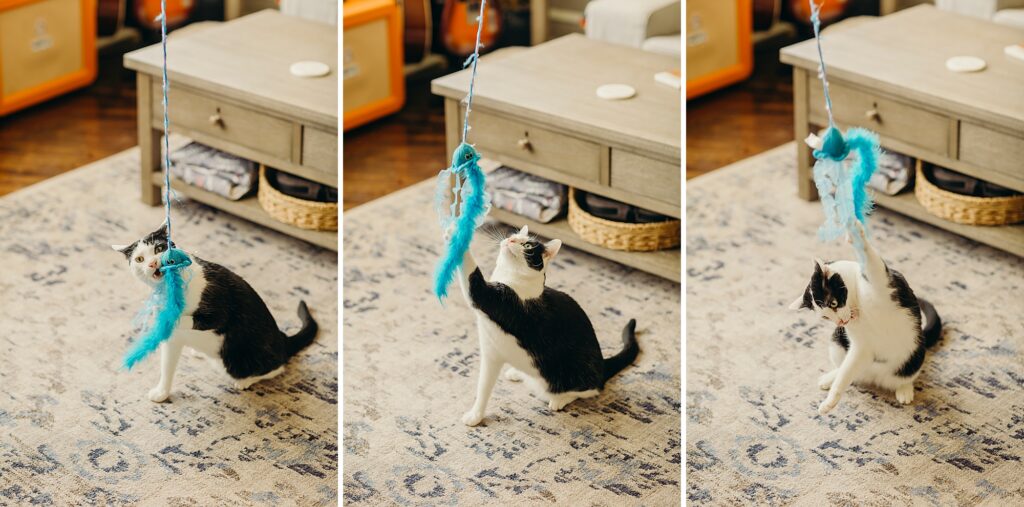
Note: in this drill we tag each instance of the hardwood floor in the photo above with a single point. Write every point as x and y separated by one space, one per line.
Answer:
742 120
69 131
397 151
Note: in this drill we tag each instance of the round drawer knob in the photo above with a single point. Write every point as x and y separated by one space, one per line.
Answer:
524 144
872 114
216 120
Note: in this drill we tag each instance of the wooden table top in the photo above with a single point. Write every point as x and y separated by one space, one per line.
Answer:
249 58
555 84
904 54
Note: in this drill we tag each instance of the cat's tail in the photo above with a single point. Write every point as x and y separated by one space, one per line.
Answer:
305 336
630 349
931 323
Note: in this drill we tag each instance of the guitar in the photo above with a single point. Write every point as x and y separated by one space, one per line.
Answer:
178 13
830 10
418 29
109 17
459 26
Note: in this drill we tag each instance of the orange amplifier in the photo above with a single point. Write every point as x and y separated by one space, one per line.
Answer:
719 51
47 47
374 83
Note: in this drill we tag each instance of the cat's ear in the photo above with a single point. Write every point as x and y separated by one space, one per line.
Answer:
800 302
797 303
551 248
124 249
820 265
525 231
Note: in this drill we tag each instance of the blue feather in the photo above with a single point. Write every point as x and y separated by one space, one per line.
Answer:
865 143
475 204
844 196
167 302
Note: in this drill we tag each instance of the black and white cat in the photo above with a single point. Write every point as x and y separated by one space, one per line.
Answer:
541 333
224 319
882 330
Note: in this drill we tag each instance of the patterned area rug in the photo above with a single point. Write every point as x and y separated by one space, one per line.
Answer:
753 433
74 429
411 367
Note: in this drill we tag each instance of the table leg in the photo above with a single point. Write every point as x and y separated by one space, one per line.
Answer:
149 141
452 126
801 128
538 21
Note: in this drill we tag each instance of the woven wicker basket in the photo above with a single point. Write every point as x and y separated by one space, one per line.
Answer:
966 209
317 216
621 235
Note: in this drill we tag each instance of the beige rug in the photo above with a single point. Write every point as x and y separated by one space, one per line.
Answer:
75 430
753 432
410 372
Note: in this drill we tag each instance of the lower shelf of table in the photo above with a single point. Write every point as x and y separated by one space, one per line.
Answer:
664 263
250 209
1005 237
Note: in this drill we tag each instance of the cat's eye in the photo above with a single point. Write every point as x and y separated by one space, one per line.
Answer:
833 304
138 259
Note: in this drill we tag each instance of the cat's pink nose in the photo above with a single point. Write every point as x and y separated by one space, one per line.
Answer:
152 264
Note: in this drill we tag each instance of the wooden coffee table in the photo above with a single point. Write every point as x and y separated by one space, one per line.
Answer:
231 89
536 110
889 75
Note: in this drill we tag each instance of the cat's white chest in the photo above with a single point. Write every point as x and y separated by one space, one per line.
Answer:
194 289
494 340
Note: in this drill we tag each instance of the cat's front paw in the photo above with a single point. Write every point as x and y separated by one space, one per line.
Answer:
472 417
905 394
159 394
827 405
825 381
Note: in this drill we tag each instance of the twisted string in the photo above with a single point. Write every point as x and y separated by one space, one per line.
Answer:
473 58
167 124
822 71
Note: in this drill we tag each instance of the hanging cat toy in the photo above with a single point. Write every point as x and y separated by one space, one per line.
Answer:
843 191
467 195
162 310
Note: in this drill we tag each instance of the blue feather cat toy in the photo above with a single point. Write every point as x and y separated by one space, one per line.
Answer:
843 191
469 189
163 309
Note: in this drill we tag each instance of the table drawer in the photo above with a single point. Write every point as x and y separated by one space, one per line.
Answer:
320 150
645 176
225 121
890 118
992 150
535 145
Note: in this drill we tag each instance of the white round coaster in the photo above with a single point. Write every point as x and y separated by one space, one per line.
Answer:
615 91
965 64
310 69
